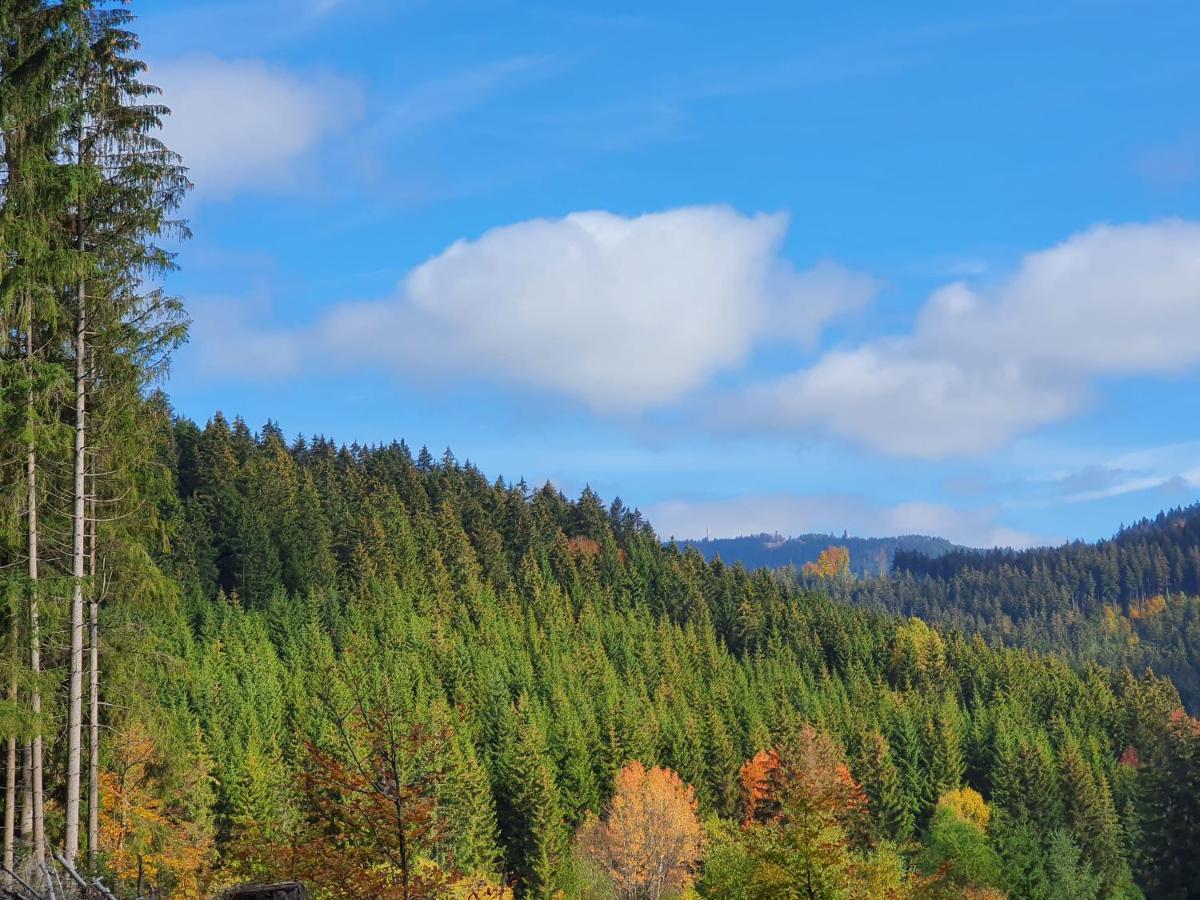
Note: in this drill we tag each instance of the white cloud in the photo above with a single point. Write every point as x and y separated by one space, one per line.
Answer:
244 123
792 514
623 313
893 398
982 366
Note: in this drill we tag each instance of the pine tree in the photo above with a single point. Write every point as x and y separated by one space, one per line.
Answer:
36 51
528 804
1089 811
1169 806
905 744
1068 874
891 816
469 809
126 185
947 764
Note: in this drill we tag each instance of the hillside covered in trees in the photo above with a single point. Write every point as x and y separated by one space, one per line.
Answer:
231 657
345 626
868 556
1131 601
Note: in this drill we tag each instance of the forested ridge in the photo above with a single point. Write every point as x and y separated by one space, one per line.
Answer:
868 556
1133 600
540 644
231 657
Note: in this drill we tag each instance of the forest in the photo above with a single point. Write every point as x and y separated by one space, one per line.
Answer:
1133 600
234 657
323 635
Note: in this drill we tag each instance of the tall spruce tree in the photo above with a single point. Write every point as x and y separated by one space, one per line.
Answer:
126 186
36 44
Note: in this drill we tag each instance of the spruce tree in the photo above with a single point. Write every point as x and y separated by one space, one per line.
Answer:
125 185
469 809
529 806
891 816
37 44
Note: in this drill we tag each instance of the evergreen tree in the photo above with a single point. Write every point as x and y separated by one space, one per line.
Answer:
891 816
469 809
528 804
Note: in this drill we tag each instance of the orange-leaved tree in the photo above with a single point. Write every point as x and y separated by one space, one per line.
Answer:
805 818
650 839
831 563
150 838
368 812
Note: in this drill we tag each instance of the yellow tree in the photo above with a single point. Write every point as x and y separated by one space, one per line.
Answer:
650 839
148 838
831 563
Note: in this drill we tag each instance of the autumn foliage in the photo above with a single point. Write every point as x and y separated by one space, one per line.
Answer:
967 805
368 819
831 563
151 841
807 774
760 784
650 839
804 820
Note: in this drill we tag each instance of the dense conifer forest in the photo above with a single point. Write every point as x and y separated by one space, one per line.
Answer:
1130 601
320 613
234 657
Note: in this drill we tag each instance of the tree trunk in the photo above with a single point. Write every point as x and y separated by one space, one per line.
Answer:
93 827
78 553
10 795
27 794
35 645
10 760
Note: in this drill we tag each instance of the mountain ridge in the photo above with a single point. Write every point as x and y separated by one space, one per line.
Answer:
868 556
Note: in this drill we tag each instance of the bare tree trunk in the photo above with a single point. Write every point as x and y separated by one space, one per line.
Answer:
26 841
78 553
27 794
10 790
10 758
35 642
93 827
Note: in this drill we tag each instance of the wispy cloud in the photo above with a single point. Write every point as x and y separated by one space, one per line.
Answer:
870 56
436 100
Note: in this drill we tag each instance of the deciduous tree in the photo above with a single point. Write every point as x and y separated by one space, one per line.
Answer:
649 840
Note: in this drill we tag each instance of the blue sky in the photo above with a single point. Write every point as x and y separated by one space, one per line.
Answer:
877 267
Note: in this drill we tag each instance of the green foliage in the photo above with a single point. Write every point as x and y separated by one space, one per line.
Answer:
553 657
1130 601
960 852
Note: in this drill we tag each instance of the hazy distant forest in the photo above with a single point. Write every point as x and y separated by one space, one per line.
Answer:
232 656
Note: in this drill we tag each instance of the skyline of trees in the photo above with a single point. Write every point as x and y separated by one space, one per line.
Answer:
391 676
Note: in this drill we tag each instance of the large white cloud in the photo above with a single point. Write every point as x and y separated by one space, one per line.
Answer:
981 366
792 514
622 313
242 123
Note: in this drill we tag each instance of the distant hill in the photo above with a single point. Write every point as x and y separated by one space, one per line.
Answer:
1130 601
868 556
